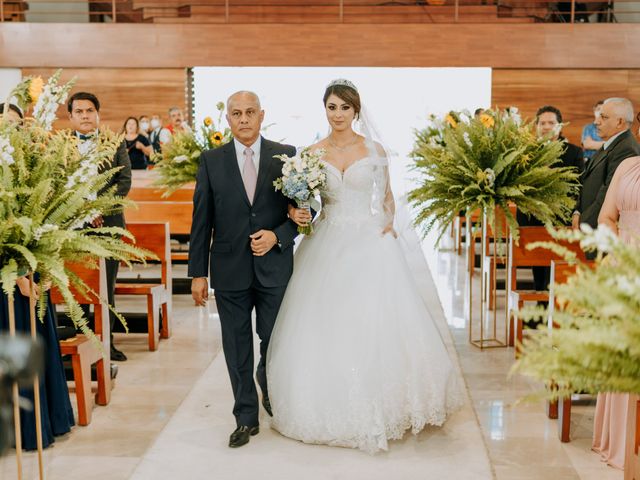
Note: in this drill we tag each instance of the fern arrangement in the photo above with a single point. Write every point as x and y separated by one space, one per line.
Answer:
179 160
487 162
596 347
49 194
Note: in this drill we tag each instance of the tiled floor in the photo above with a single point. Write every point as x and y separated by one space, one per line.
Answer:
169 416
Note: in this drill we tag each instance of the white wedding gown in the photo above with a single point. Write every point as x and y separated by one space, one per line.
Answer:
355 358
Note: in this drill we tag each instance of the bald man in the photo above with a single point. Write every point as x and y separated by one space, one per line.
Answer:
613 124
241 236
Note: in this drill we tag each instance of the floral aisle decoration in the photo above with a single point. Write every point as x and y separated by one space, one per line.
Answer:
490 161
596 345
433 133
50 192
179 160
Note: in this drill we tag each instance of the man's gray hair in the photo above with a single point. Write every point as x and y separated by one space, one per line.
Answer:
623 108
174 109
244 92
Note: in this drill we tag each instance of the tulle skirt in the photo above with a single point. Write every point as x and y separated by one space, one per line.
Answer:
355 358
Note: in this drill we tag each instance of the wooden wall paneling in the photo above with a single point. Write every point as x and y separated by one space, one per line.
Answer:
528 46
572 91
124 92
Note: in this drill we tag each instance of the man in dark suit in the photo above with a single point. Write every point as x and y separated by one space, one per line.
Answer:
84 115
549 125
613 124
242 236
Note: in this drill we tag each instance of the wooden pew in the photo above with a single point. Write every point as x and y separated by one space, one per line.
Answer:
82 350
521 257
153 236
561 271
177 214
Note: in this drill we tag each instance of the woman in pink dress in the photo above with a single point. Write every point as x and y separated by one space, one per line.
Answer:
621 213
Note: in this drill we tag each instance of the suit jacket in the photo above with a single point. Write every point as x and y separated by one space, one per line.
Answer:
598 173
122 181
573 156
223 219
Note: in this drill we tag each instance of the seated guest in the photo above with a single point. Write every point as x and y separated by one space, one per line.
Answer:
591 141
138 146
613 124
83 108
549 125
55 405
621 213
177 124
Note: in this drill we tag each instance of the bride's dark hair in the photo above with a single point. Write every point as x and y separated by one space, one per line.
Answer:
345 93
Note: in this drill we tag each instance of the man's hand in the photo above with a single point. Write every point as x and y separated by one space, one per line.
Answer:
301 216
262 241
139 145
97 222
200 290
575 221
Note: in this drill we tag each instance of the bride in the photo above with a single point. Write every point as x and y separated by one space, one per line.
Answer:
355 358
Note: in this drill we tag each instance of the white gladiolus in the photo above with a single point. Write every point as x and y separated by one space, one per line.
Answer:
180 158
467 139
6 152
41 230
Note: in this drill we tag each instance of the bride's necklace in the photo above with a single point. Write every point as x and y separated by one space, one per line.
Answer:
344 147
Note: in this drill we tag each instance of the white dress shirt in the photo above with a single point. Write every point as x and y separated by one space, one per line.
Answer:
240 148
610 141
84 146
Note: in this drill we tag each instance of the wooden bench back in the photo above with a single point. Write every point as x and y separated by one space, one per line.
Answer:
521 256
178 214
95 279
154 236
153 194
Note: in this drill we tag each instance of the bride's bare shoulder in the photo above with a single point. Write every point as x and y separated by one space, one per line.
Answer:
321 145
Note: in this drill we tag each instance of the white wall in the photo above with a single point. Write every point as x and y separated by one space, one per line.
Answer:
398 99
9 78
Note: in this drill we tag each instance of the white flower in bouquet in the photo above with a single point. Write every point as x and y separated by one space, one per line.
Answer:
467 139
181 158
303 179
6 152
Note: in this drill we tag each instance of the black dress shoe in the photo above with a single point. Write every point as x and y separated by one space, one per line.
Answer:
267 405
117 355
240 435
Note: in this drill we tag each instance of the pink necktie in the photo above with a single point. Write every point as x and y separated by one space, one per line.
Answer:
249 174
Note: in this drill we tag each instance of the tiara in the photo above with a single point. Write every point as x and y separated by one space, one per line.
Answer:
342 81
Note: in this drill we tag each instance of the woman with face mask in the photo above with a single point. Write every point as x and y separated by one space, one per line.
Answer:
145 125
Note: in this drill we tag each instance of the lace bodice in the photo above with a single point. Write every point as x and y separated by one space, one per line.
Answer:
350 196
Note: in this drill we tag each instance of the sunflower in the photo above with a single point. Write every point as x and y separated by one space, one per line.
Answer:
35 88
451 121
487 120
216 138
208 121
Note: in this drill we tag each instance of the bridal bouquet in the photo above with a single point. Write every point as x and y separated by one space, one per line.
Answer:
49 193
303 179
595 345
179 160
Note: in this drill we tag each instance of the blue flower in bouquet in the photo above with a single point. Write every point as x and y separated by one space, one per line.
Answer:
303 179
